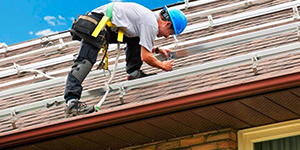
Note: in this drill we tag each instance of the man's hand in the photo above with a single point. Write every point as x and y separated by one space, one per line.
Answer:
148 57
168 65
164 51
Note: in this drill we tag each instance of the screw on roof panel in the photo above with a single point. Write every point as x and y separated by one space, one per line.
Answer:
14 119
3 45
122 93
296 12
186 4
211 21
255 63
248 3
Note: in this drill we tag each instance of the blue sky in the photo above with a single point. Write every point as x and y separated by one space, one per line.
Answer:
22 20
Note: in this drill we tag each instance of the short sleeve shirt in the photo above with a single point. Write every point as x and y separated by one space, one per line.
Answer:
136 21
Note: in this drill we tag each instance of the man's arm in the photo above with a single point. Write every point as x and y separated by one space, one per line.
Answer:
162 51
152 61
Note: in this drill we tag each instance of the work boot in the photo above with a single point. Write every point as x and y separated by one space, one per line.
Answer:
138 74
74 108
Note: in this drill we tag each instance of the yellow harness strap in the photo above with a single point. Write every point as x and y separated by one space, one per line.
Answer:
99 27
107 20
120 35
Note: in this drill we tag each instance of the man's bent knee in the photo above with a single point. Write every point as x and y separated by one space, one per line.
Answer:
81 69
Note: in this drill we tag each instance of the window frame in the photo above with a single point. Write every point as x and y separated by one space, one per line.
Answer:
247 137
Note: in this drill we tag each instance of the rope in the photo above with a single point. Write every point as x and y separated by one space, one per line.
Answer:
107 88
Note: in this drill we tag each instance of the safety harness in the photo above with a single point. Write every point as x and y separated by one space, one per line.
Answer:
106 20
91 29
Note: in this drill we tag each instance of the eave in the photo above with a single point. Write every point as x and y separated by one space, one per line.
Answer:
146 110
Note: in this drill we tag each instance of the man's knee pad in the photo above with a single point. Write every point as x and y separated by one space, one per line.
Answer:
81 69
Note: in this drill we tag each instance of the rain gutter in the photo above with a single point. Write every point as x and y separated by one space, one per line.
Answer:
147 109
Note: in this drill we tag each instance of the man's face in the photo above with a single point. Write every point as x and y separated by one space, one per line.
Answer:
165 29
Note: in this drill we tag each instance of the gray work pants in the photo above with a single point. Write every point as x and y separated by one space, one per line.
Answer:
133 61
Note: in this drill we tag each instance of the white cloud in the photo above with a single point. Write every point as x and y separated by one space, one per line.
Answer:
61 18
60 23
54 21
45 32
50 20
72 18
30 32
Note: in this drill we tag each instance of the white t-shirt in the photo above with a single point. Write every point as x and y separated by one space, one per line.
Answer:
136 21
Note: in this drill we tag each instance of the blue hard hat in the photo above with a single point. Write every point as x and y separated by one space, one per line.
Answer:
178 19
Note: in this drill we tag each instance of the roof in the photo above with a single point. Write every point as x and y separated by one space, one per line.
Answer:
212 89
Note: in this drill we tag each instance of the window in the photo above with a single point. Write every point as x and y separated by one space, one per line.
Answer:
249 139
288 143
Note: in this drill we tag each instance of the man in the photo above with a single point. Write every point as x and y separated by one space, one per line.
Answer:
140 26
